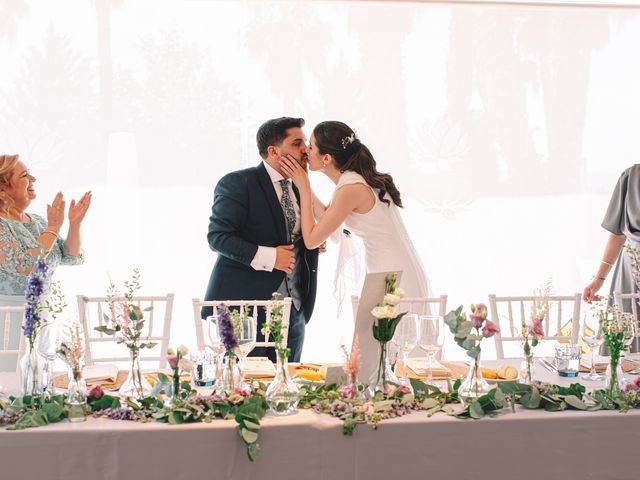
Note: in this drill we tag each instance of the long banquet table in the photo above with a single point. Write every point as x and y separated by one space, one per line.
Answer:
531 444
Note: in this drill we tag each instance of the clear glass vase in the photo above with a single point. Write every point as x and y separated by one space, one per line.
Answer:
135 386
527 370
474 385
383 374
77 396
31 371
614 375
282 395
231 378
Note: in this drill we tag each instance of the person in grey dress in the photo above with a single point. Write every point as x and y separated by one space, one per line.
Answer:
24 236
622 220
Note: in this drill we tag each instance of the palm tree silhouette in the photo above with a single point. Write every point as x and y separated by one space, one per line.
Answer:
10 13
289 39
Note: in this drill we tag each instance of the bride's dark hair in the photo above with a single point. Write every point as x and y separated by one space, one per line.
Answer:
339 141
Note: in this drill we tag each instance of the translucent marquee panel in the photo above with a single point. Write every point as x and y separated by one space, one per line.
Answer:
504 126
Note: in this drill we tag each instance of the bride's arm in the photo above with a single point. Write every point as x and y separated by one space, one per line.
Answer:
345 201
318 207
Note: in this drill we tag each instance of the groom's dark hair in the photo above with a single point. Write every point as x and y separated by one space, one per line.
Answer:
274 131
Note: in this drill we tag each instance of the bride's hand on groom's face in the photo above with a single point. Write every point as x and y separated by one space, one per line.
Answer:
294 170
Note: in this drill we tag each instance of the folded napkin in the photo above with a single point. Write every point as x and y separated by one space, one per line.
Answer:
420 365
601 366
105 374
259 367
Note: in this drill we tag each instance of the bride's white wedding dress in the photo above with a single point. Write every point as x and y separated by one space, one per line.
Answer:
386 243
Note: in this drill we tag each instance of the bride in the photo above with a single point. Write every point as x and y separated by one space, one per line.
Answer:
365 200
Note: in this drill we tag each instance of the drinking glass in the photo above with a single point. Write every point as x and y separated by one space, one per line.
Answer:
246 334
593 336
431 339
406 338
214 343
47 346
630 334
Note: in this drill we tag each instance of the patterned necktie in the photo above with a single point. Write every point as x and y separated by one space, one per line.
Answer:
287 207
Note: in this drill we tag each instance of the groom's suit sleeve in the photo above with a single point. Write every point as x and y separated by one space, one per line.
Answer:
228 216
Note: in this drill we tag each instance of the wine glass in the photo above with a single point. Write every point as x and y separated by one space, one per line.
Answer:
406 339
47 346
593 335
214 343
629 334
431 339
246 334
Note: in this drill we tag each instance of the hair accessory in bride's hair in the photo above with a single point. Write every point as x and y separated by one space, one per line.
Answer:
346 141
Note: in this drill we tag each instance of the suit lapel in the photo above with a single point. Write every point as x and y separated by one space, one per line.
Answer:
274 205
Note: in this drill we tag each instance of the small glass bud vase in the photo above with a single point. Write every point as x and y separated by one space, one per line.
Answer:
474 385
231 378
527 370
383 374
77 396
283 394
31 372
135 386
614 376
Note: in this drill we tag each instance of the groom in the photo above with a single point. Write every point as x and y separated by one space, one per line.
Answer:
255 228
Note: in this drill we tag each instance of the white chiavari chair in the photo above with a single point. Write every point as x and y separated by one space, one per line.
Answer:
252 307
157 328
510 312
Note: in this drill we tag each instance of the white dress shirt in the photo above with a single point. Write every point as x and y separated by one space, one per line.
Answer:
265 258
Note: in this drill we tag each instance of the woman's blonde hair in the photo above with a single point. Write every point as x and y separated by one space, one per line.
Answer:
7 164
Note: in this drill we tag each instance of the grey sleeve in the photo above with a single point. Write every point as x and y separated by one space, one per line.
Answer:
615 218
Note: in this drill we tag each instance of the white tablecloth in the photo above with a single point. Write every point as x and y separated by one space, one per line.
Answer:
528 445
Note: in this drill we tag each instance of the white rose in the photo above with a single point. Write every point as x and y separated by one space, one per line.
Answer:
390 312
391 299
378 312
182 351
399 292
185 365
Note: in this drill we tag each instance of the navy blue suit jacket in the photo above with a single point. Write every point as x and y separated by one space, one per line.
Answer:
246 213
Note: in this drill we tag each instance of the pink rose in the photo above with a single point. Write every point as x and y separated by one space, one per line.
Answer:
631 387
478 314
403 389
536 329
241 392
348 391
96 392
490 329
173 361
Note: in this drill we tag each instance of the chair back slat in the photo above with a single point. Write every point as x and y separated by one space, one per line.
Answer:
622 299
8 314
154 330
498 304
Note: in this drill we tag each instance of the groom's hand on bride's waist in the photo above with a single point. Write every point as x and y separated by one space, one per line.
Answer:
285 258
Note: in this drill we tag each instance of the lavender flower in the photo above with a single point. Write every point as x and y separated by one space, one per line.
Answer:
117 414
33 292
227 332
9 418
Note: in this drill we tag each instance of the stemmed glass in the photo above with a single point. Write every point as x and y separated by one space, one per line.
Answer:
47 345
214 343
246 334
630 334
431 339
593 336
406 339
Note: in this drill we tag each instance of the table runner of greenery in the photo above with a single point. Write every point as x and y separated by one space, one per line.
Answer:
345 403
